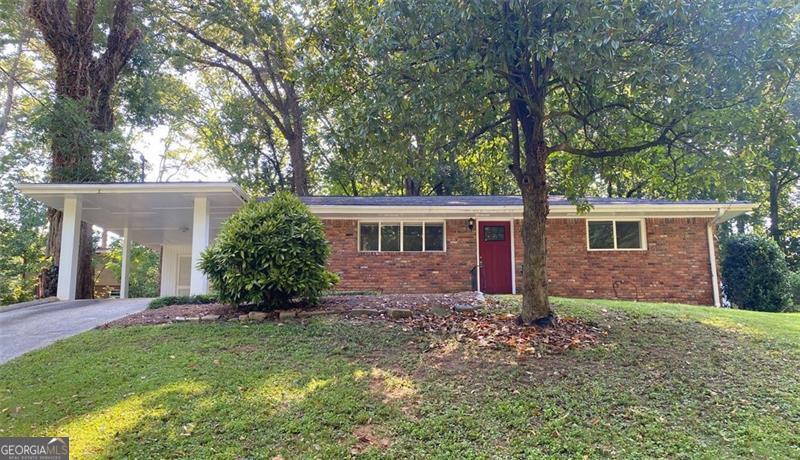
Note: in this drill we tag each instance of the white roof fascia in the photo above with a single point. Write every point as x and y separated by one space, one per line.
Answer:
144 187
720 212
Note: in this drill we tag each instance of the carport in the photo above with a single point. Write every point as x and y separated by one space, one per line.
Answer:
179 219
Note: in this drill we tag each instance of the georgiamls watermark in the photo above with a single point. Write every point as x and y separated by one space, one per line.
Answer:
34 448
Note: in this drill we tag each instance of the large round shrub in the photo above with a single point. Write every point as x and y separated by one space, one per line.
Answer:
269 253
755 273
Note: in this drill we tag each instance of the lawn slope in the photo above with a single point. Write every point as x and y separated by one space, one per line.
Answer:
668 381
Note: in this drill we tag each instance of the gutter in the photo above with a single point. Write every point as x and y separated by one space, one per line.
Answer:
712 256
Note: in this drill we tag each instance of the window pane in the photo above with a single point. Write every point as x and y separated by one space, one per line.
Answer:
390 237
494 233
369 237
601 235
628 236
434 237
412 237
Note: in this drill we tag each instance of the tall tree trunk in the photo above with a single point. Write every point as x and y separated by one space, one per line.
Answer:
526 109
410 187
535 208
298 160
295 140
774 224
86 77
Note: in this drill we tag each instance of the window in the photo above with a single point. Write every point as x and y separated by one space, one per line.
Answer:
412 237
494 233
434 237
390 237
401 236
615 234
368 235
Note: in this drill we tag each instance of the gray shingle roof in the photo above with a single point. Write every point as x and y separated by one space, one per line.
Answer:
473 200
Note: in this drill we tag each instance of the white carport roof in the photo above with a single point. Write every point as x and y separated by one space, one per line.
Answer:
154 213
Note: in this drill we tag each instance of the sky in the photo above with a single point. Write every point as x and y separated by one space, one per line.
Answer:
151 146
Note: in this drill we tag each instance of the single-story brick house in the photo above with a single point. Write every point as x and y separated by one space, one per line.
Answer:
622 248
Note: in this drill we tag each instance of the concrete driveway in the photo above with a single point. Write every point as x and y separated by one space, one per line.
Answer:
30 328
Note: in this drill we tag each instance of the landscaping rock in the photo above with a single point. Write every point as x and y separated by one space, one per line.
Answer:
180 318
441 311
209 318
243 318
257 315
398 313
287 314
465 308
364 312
193 318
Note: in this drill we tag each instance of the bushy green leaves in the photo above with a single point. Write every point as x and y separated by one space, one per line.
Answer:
755 273
268 254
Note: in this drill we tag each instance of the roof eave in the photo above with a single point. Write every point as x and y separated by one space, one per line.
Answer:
49 189
721 212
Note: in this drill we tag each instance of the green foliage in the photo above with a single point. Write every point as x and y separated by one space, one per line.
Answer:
755 274
165 301
143 262
794 290
269 253
65 125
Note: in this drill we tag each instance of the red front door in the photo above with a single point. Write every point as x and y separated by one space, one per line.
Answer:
494 249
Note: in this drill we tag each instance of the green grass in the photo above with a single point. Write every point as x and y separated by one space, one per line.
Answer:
668 381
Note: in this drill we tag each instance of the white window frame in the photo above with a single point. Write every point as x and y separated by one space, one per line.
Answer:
423 222
642 233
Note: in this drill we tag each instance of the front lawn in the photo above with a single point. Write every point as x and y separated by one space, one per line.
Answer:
667 381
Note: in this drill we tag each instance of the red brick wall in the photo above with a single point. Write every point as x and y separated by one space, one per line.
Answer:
674 267
402 272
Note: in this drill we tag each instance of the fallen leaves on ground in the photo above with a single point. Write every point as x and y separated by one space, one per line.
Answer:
501 330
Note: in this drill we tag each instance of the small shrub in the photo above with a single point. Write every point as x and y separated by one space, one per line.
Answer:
755 274
269 253
182 300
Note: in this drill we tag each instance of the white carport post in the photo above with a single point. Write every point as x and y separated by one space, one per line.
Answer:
201 229
70 244
124 273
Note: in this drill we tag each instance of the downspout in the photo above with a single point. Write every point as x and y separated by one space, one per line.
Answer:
712 257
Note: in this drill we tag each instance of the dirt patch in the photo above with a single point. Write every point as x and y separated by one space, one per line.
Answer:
367 438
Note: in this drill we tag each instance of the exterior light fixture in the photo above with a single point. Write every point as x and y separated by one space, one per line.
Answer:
471 223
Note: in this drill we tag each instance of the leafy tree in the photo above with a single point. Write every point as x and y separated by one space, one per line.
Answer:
143 278
375 136
84 84
588 79
772 154
260 44
237 140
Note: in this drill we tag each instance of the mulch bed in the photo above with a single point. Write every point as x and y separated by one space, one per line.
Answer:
466 316
165 315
